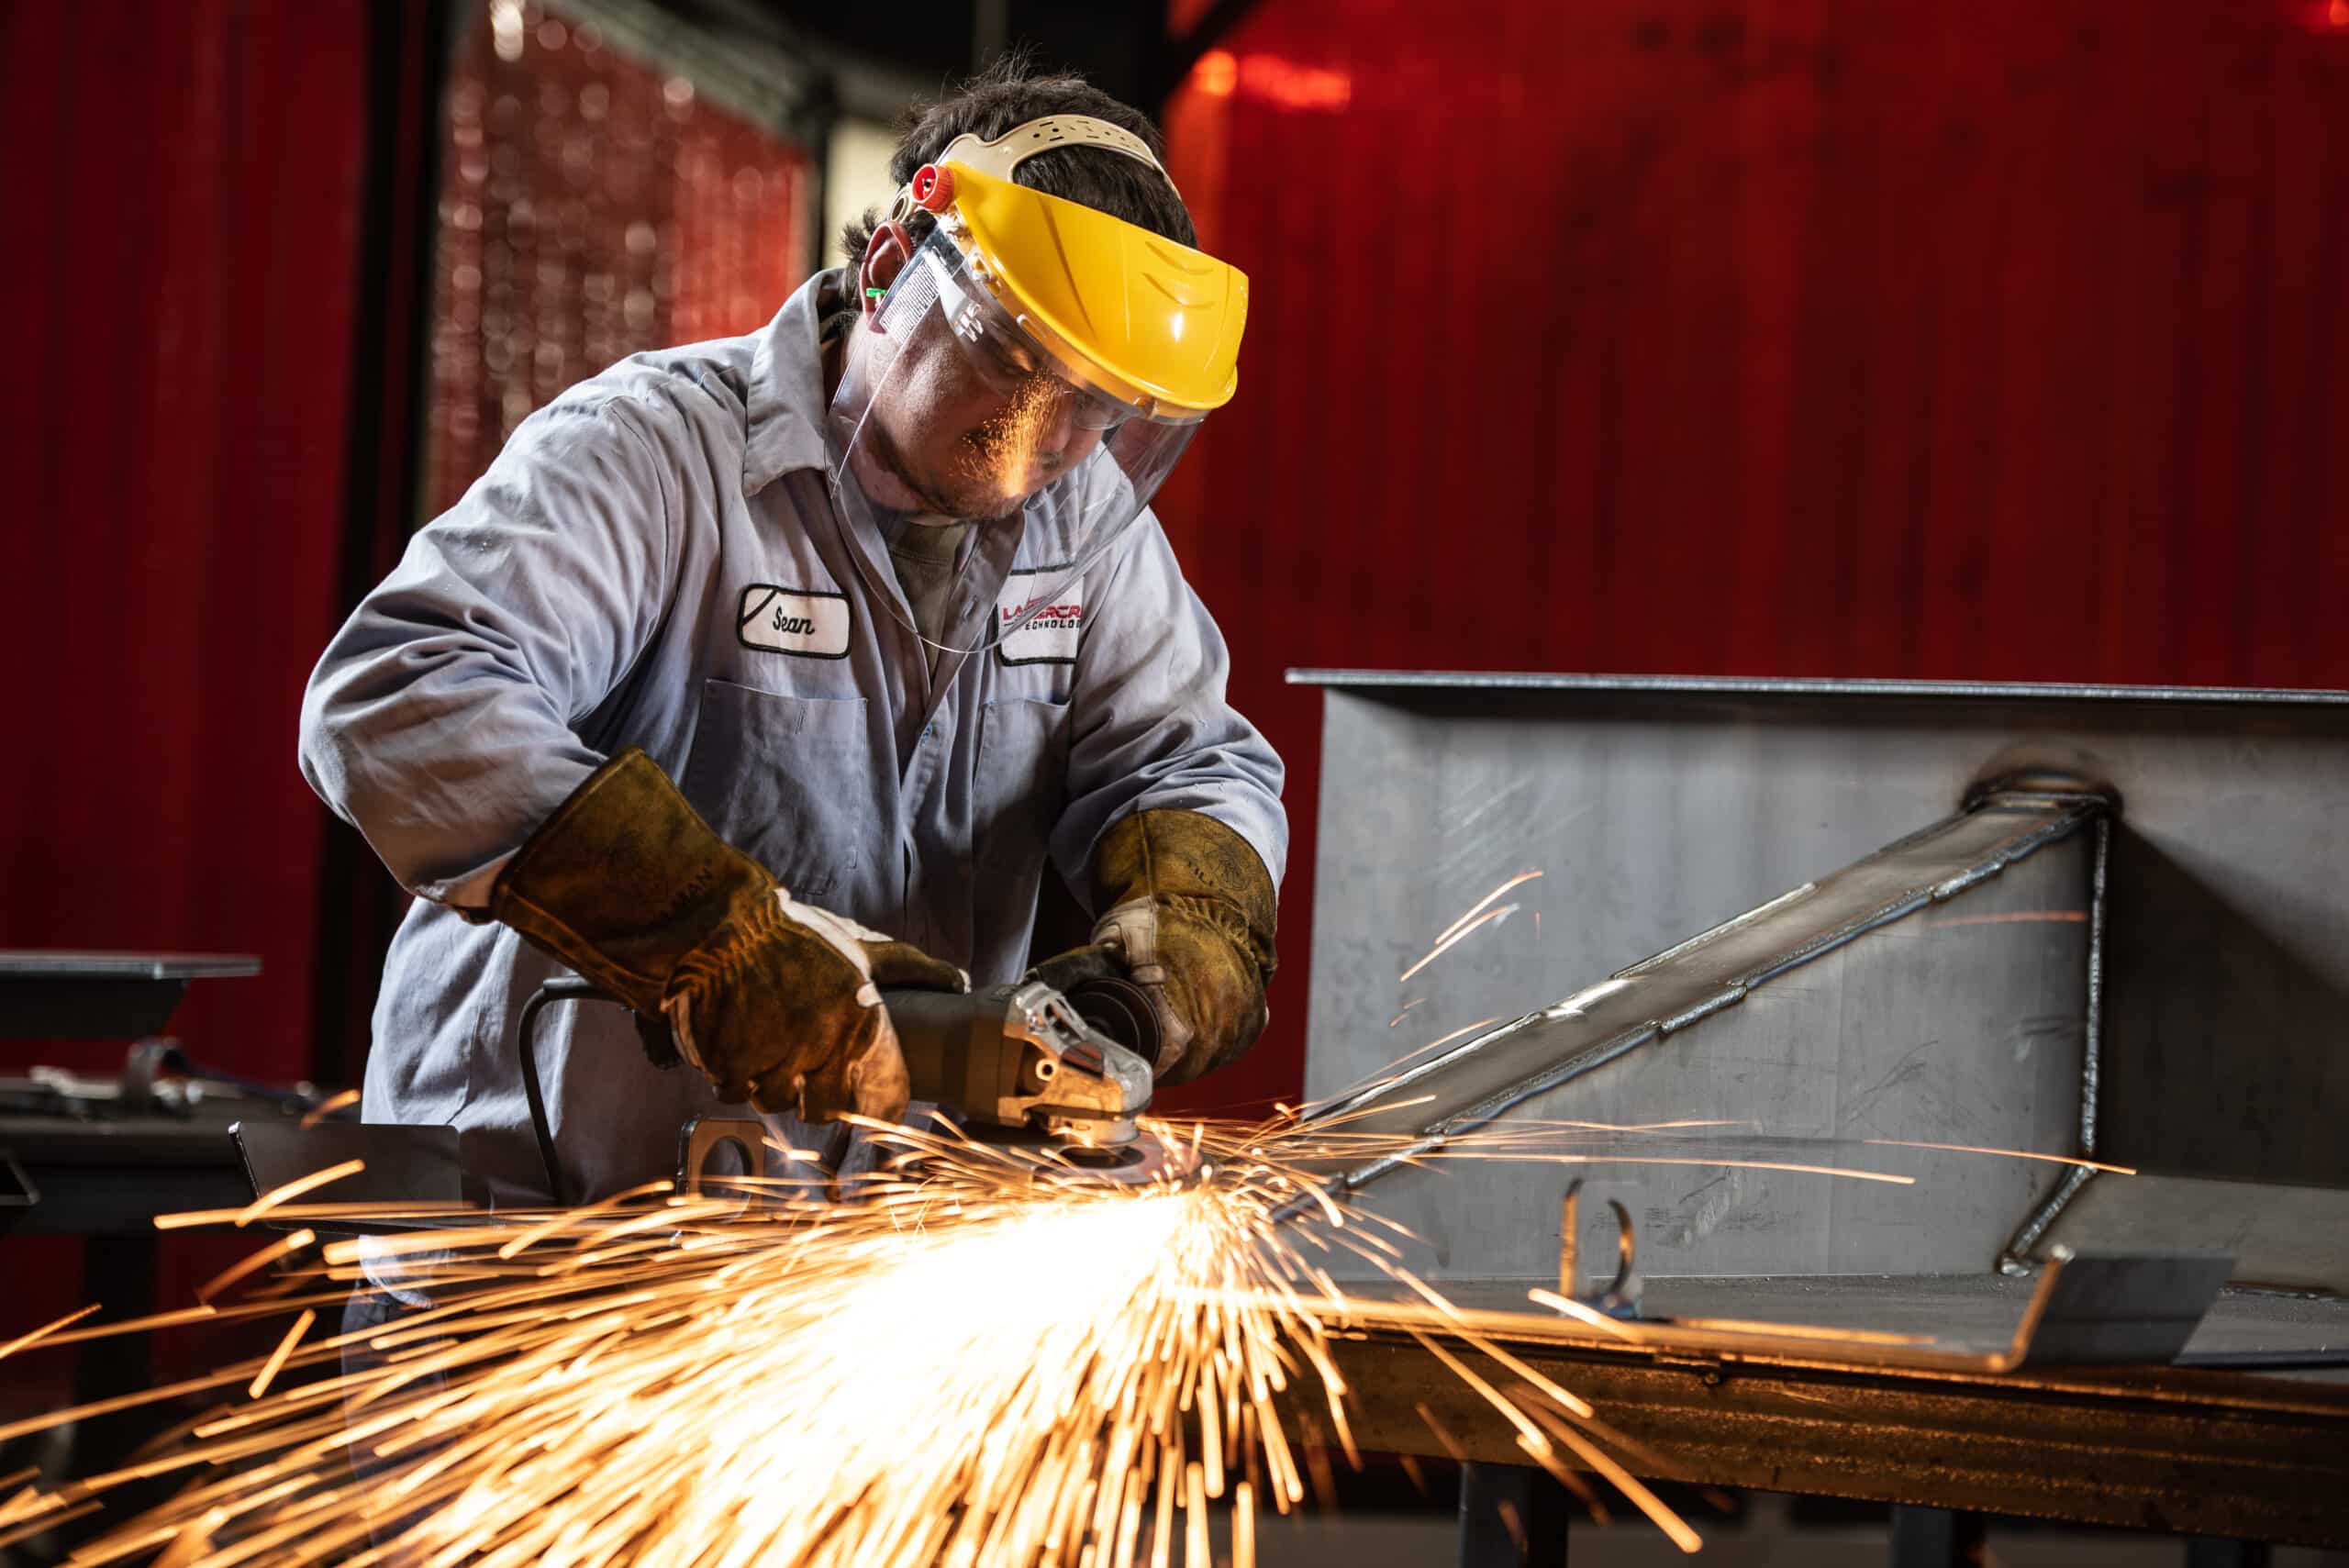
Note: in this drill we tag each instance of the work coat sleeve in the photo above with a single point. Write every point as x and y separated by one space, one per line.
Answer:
1149 725
441 721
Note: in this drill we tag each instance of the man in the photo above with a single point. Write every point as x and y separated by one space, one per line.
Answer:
743 652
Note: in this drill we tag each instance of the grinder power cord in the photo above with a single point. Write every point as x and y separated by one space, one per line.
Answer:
775 1001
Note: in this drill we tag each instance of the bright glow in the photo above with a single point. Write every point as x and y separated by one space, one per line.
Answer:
1273 79
1292 86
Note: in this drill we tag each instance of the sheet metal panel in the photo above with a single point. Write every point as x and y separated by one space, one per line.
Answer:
1657 808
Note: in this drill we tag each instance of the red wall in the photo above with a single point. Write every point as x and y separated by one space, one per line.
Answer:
177 230
2001 340
176 273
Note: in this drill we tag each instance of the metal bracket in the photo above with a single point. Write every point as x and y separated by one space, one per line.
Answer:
2112 1307
700 1140
1622 1297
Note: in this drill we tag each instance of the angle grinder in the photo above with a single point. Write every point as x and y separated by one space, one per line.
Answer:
1024 1063
1018 1064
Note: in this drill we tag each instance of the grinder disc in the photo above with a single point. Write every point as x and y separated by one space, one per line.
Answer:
1120 1009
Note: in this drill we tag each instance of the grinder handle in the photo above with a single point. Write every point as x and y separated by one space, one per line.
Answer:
957 1053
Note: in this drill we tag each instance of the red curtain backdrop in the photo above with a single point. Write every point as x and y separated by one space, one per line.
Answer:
177 233
2000 341
179 256
176 269
591 206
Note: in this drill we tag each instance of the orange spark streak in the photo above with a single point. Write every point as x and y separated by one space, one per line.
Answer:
1468 922
36 1335
269 1368
1803 1331
326 1107
1576 1309
1536 1443
290 1191
192 1218
1448 943
1662 1159
260 1259
1454 929
2010 1154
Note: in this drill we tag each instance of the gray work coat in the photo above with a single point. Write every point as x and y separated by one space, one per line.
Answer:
655 560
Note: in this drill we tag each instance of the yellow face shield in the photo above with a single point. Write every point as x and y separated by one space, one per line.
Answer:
1036 362
1148 322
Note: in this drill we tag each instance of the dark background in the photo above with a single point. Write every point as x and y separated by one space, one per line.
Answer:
2006 340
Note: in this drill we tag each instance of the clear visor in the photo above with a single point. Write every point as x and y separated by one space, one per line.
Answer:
952 410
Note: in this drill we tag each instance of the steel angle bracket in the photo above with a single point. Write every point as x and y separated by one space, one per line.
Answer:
2104 1308
699 1143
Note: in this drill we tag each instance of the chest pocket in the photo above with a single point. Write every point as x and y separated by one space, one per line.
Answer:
788 781
1020 782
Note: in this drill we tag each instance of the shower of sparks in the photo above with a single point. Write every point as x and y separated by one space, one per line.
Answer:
978 1355
982 1356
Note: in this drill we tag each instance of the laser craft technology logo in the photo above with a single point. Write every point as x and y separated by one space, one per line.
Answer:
1051 634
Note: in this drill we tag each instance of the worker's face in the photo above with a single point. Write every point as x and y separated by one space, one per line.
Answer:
968 430
967 444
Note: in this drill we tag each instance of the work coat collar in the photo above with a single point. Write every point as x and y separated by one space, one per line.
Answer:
787 405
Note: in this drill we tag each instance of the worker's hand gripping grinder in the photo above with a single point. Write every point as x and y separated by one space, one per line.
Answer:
1172 984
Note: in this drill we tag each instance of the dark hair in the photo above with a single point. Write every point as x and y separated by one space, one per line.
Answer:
1009 93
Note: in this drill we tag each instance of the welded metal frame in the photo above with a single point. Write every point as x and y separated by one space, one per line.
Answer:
2071 812
2158 972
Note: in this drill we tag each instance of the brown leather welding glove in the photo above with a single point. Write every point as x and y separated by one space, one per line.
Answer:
775 1001
1189 917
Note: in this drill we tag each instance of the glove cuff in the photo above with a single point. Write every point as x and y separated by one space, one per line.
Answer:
625 880
1194 864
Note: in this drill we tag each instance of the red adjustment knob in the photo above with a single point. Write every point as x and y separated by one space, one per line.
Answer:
933 188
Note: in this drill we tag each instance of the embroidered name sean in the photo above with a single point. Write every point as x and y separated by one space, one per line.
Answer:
807 623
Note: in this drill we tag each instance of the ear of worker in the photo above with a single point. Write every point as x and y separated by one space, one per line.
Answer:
775 1001
1189 914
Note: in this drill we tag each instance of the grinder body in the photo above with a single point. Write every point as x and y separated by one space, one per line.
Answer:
1021 1060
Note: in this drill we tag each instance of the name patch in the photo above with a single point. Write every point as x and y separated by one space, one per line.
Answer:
1051 634
804 622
